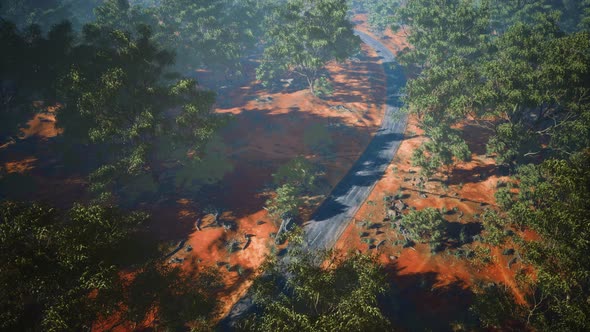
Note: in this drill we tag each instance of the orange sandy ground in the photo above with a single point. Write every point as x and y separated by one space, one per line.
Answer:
262 136
471 190
395 41
475 195
273 133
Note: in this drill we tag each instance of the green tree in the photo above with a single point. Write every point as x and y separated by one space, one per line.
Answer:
301 36
381 13
172 298
537 81
52 263
46 13
341 296
552 200
444 148
558 212
298 172
494 226
285 203
29 68
448 40
122 15
494 306
62 271
426 226
116 99
205 33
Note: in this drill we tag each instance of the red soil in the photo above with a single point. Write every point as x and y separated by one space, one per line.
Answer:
265 135
273 132
471 190
395 41
42 125
262 136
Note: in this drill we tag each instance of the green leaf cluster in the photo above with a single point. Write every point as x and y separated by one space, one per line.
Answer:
302 36
341 296
426 226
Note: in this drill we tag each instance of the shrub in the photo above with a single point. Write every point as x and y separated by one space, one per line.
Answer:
323 87
424 226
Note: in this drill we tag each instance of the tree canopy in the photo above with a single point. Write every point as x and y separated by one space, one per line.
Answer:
52 263
519 70
116 96
301 36
342 295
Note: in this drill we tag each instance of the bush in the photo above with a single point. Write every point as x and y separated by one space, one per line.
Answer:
504 198
494 227
323 87
424 226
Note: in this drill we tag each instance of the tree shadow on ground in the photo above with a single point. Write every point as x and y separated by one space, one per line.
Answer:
459 234
419 302
474 175
476 137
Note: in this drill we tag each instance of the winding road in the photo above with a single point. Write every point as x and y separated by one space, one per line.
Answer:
332 217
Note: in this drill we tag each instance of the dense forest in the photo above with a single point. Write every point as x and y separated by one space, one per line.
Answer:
114 114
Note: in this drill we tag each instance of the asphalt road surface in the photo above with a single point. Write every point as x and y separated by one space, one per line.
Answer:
332 217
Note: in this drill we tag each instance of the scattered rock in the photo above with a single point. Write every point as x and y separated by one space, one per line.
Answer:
287 82
266 99
392 213
400 205
512 261
189 248
177 260
423 195
340 108
248 240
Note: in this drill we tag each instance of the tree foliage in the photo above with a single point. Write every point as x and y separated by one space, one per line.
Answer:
285 203
381 14
426 226
53 263
114 94
519 69
514 68
299 172
340 296
301 36
115 97
62 271
494 226
553 200
210 33
46 13
444 148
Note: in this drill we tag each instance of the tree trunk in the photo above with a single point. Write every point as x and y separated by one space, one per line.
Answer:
310 83
284 224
